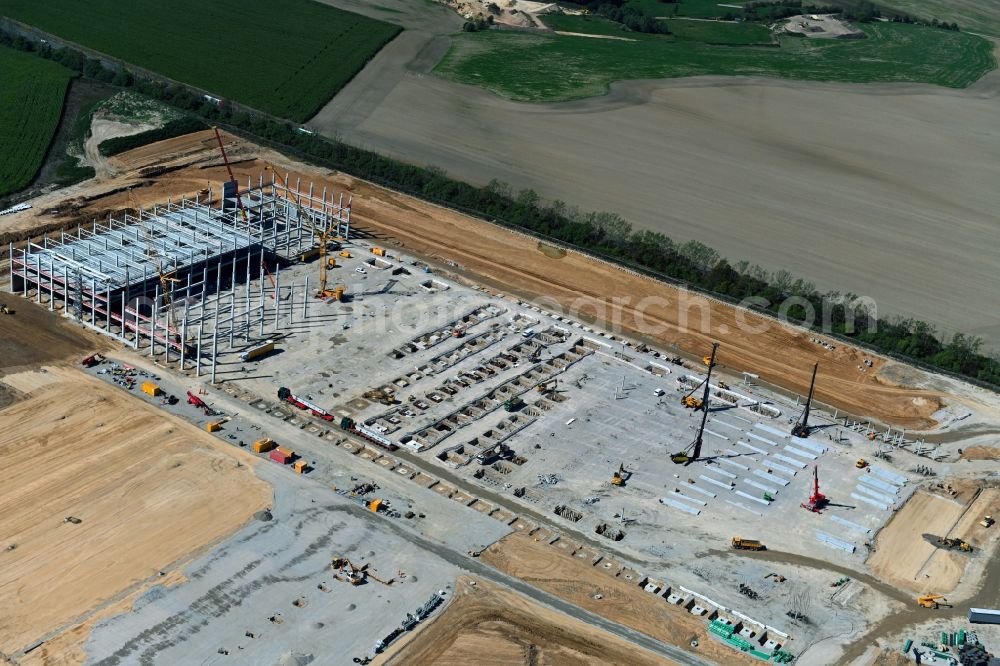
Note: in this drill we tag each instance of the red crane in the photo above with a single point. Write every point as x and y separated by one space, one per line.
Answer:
198 402
817 501
232 178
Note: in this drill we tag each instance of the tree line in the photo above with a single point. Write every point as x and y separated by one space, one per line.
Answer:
605 235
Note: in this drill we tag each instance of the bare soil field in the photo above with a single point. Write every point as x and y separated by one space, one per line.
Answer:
33 336
516 264
880 190
146 487
910 562
491 626
622 601
981 453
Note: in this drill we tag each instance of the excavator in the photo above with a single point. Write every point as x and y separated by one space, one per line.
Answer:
545 388
932 601
801 427
355 575
619 477
383 396
693 450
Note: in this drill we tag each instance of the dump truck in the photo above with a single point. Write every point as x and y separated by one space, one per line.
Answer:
92 360
747 544
150 388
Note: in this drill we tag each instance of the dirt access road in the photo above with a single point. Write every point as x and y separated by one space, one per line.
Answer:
488 625
880 190
516 264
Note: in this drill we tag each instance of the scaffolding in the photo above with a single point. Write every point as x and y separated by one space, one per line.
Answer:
112 275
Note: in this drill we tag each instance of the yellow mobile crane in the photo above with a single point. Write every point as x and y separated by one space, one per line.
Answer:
693 450
323 237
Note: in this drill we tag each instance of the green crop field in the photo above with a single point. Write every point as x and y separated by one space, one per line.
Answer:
31 102
710 32
554 67
591 25
286 58
719 32
973 15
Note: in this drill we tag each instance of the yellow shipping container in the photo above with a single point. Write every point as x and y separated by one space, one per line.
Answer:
215 426
149 388
301 467
263 445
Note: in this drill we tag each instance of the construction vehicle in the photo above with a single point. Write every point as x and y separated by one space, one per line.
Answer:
801 427
232 184
861 463
693 450
499 451
987 521
345 254
817 501
548 387
933 601
778 578
512 404
458 331
724 386
92 360
198 402
301 403
4 309
619 477
384 396
376 504
323 239
954 543
354 574
72 519
747 544
378 252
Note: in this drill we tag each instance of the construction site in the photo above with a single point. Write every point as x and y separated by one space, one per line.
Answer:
437 435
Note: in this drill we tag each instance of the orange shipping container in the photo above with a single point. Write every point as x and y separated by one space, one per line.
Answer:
149 388
287 452
301 467
263 445
213 427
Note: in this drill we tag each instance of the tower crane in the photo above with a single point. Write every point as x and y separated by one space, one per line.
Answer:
693 450
232 178
323 237
801 427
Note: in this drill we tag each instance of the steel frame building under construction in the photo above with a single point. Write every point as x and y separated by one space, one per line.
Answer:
163 276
